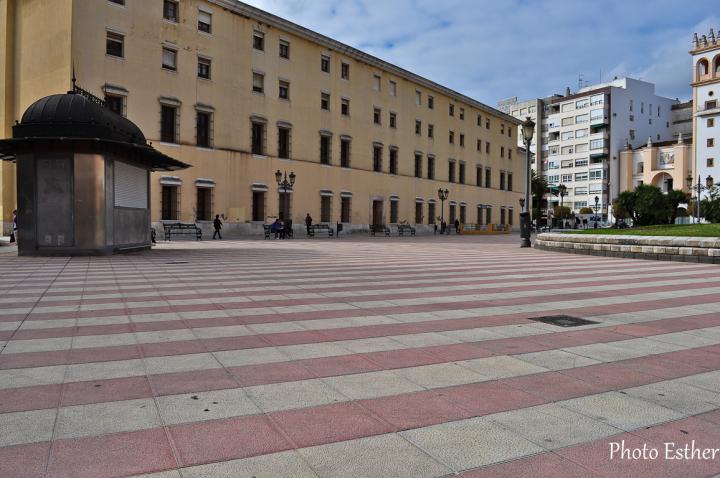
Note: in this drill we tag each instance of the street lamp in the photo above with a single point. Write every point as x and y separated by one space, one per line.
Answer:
284 182
562 189
528 129
442 196
698 189
597 208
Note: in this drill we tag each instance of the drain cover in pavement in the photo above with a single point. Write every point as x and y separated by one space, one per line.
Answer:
563 320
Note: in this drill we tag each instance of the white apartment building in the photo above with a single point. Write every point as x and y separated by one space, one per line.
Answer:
582 135
706 108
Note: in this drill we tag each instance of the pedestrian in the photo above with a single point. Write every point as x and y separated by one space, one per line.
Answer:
308 223
13 233
442 227
435 227
217 224
457 226
277 227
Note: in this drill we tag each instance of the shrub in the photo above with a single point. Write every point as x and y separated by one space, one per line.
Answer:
586 210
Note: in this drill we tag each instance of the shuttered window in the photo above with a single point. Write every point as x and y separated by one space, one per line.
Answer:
130 185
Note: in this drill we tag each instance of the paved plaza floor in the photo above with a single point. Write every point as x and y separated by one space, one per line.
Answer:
359 357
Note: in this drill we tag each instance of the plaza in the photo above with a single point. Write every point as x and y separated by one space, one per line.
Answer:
357 356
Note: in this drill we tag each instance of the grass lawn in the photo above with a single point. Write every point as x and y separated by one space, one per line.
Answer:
694 230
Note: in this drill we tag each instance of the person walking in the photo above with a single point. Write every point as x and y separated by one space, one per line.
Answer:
308 223
457 226
217 224
13 233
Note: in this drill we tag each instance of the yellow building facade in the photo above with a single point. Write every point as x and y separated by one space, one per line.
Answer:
665 165
241 94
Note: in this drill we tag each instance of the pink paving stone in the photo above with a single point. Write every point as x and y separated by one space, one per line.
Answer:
339 365
183 347
544 464
229 439
294 338
391 359
662 366
234 343
24 461
514 346
29 398
116 455
328 424
552 386
195 381
96 391
454 352
415 410
25 334
248 375
104 354
705 433
104 329
704 357
713 417
610 376
489 397
34 359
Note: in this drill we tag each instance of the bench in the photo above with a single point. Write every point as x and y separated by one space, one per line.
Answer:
181 228
405 229
267 229
320 228
377 228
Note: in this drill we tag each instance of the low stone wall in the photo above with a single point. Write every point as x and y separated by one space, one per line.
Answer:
685 249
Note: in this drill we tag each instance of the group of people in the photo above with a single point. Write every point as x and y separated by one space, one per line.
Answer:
281 229
444 227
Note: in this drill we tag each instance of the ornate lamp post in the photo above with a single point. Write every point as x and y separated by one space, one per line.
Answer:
285 184
528 129
597 208
698 189
442 196
562 189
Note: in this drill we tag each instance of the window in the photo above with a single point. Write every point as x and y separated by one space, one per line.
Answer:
502 215
451 137
345 71
596 174
114 44
283 142
325 101
568 121
205 22
258 137
393 160
258 206
345 209
325 148
169 59
479 119
284 49
259 41
377 158
710 122
431 102
711 105
393 88
584 103
566 178
463 216
478 176
203 205
345 107
451 171
581 119
168 124
258 83
509 182
462 113
478 145
487 147
710 142
204 129
115 103
284 90
462 140
344 152
502 128
418 98
204 65
488 178
377 80
393 120
431 131
377 116
325 63
581 176
325 208
418 127
710 162
487 123
597 99
488 215
453 212
581 162
170 10
394 210
567 135
509 153
597 144
431 167
502 179
452 109
418 212
118 2
581 133
502 151
431 213
461 173
169 200
418 165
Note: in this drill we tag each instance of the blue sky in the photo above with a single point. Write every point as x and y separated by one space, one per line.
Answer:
492 50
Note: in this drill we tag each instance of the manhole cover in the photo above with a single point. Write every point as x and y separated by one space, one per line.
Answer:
177 262
563 320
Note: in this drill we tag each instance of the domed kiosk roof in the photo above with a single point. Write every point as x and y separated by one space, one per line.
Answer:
78 117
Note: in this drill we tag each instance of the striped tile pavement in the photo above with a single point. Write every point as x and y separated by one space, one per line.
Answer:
390 357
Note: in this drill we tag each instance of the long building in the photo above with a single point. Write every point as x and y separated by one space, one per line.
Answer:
241 94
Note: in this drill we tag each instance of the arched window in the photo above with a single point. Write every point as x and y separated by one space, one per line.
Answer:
702 68
716 65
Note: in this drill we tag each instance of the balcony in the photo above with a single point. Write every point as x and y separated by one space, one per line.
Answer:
601 133
709 108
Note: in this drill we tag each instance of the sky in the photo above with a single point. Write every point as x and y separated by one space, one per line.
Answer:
496 49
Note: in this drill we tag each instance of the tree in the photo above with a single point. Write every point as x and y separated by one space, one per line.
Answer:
624 205
674 198
710 207
586 210
561 212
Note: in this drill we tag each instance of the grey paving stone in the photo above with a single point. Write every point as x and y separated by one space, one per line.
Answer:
289 395
274 465
195 407
103 418
556 359
678 396
372 385
26 427
501 366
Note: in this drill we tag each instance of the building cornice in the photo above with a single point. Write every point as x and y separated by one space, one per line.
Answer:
253 13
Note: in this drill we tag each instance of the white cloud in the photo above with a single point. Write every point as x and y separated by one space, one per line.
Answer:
496 49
